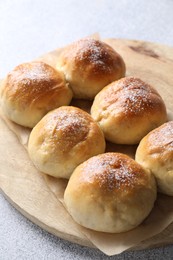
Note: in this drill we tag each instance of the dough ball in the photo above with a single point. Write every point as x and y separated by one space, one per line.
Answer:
110 193
127 110
89 65
155 152
31 90
63 139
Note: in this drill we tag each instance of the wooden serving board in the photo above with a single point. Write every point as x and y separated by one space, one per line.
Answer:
27 190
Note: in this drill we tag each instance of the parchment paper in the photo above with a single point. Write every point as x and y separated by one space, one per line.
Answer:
156 229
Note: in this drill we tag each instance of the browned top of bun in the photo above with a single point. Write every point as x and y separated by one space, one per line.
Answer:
132 96
30 81
112 174
72 127
93 59
160 141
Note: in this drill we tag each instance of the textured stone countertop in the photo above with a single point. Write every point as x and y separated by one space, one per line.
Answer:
29 28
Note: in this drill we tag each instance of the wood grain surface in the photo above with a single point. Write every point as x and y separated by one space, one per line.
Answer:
27 190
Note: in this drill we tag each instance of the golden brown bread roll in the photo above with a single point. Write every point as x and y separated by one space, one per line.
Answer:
127 110
155 152
89 65
31 90
110 193
63 139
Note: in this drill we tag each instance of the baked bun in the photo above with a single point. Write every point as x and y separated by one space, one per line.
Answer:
110 193
155 152
31 90
127 110
89 65
63 139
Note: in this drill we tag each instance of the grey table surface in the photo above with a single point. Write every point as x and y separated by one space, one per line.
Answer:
30 28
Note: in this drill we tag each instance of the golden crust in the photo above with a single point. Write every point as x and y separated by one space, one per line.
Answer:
31 90
63 139
155 152
89 65
160 141
105 193
112 173
128 109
